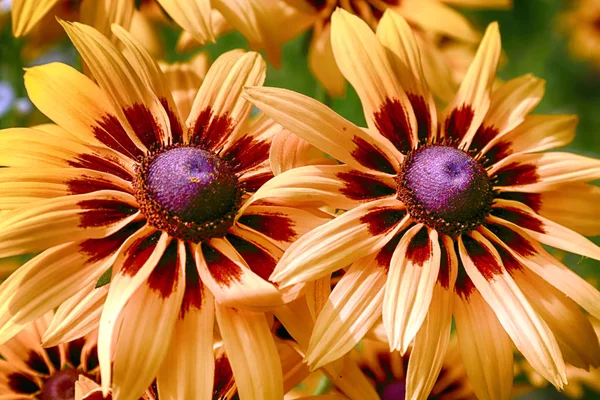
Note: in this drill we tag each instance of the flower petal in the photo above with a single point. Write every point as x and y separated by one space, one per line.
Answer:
138 257
528 331
363 61
27 13
353 307
147 326
322 127
104 13
77 316
334 245
219 112
248 341
322 63
545 230
184 80
190 351
543 171
414 269
431 341
463 116
485 347
194 16
230 279
138 109
289 151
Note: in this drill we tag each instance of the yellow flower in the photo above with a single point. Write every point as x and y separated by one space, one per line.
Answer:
582 24
446 213
126 179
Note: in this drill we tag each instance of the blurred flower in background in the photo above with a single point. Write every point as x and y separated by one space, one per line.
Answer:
581 24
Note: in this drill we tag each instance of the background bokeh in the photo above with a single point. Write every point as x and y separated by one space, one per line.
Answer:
534 41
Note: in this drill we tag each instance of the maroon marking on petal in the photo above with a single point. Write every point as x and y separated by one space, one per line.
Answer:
422 115
103 212
247 153
144 124
194 289
98 396
259 261
445 266
519 218
139 252
392 122
253 183
381 220
110 132
419 249
224 271
512 239
361 186
482 258
102 164
22 384
275 225
384 257
86 184
74 351
54 356
36 362
164 277
464 285
510 263
458 122
371 157
517 174
498 151
176 129
483 136
533 200
98 249
211 133
224 381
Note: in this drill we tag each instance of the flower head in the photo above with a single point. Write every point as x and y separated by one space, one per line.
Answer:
446 213
122 182
582 25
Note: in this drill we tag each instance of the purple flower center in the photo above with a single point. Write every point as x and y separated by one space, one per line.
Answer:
60 386
192 184
446 189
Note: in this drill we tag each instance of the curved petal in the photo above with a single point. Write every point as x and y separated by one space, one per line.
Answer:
219 113
485 347
413 273
289 151
403 51
101 14
184 81
53 221
353 307
545 230
27 13
363 61
322 63
230 279
539 172
248 342
528 331
77 316
138 109
463 116
194 16
334 245
322 127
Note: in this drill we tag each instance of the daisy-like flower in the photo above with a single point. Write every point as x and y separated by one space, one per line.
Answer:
582 24
120 181
446 215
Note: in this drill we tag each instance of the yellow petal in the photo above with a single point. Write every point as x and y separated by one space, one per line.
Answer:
289 151
101 14
322 63
27 13
184 81
194 16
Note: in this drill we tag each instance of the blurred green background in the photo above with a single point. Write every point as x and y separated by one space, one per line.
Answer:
532 41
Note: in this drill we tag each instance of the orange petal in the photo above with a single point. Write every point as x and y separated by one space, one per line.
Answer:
194 16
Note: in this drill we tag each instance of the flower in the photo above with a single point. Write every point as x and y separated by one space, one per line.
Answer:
445 216
97 191
582 25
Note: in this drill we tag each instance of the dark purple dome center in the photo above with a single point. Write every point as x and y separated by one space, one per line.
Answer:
395 390
192 184
444 187
60 386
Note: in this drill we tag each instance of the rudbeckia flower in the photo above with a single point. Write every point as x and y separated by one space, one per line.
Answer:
122 182
446 214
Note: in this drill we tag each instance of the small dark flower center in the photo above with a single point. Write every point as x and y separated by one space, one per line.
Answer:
189 192
60 386
445 188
